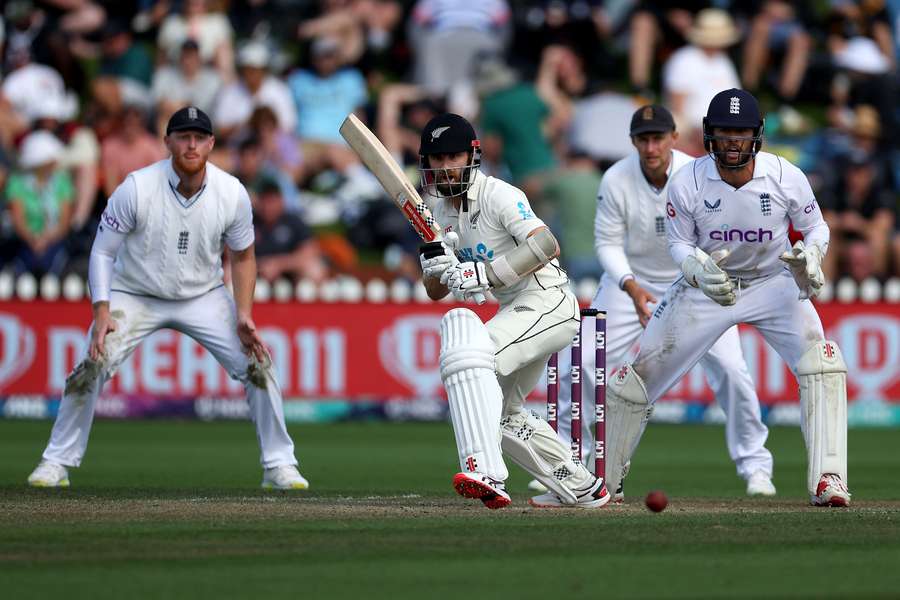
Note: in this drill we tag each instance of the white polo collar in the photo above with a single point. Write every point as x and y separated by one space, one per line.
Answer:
760 169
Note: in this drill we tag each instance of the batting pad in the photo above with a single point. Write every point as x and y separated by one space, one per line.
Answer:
474 395
823 395
627 412
533 445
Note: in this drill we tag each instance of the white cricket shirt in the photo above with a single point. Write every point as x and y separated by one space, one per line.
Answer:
630 222
751 222
173 245
498 219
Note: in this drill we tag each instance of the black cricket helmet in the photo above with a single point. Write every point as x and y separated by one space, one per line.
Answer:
448 133
733 109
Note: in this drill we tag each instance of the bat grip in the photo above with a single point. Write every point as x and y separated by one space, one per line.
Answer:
479 298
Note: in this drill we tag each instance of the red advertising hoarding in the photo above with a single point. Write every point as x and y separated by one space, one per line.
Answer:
376 351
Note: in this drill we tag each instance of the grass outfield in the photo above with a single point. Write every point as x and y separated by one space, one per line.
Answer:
173 510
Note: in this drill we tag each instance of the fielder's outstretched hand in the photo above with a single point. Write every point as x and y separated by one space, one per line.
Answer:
250 340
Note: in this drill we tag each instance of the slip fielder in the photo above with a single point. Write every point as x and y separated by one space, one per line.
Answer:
156 263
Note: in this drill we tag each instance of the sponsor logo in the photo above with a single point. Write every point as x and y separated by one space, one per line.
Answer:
520 308
410 351
418 221
765 204
735 106
659 309
17 344
738 235
483 253
525 211
670 210
111 221
713 207
810 207
471 464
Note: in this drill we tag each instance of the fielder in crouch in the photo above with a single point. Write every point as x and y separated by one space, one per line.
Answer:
157 262
495 242
728 215
630 240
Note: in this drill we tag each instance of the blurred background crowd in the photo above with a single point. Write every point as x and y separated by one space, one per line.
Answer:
87 86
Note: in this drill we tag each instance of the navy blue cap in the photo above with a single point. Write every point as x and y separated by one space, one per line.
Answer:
189 118
446 134
734 108
652 118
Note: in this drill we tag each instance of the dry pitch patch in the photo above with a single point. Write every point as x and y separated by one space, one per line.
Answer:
53 507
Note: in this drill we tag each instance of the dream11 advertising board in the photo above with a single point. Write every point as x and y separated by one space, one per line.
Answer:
373 353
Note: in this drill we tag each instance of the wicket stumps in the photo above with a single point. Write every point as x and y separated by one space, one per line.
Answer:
599 391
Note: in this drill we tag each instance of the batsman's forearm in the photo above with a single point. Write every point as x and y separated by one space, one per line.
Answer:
243 277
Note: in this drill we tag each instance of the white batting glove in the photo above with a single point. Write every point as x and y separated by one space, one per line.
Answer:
703 271
805 264
438 258
469 280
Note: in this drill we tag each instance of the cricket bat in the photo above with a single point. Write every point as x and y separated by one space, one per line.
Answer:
379 161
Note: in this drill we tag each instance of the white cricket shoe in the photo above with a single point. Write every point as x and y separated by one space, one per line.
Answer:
536 486
285 477
49 474
831 491
593 496
481 487
760 484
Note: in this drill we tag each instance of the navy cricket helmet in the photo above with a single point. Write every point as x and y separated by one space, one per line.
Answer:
733 109
448 133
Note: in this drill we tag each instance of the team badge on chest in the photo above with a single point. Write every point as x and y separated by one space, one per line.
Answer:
765 205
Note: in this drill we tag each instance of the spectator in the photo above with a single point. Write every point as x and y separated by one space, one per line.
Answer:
40 197
859 209
254 171
284 244
129 148
27 86
279 147
513 118
255 87
189 83
656 24
448 35
358 25
571 196
211 31
697 72
779 26
125 70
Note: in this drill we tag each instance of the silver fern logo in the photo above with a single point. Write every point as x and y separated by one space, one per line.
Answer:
437 131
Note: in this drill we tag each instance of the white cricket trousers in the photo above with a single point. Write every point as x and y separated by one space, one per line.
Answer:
211 320
723 364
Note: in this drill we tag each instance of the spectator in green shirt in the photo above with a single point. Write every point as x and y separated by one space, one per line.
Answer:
40 196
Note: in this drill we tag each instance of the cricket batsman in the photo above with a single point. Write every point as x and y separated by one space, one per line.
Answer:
728 215
494 242
156 263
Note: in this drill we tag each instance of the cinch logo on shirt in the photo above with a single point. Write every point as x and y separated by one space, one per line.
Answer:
750 235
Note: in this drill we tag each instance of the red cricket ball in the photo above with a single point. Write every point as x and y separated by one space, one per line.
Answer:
656 501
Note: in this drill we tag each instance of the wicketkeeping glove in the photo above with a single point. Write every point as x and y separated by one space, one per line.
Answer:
805 263
703 271
469 280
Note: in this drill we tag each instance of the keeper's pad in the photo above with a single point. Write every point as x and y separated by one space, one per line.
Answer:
823 395
475 397
525 259
533 445
627 412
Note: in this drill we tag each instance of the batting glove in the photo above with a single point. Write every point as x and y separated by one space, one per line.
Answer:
805 264
439 258
703 271
468 280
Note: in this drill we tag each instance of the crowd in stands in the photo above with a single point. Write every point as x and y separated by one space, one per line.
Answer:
88 85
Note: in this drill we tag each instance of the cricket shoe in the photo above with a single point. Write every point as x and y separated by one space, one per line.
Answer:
831 491
49 474
759 484
285 477
481 487
593 496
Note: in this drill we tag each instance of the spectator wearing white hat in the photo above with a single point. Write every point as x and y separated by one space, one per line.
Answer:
697 72
254 87
40 197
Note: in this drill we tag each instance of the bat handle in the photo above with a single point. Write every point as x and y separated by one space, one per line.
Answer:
479 298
